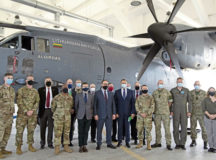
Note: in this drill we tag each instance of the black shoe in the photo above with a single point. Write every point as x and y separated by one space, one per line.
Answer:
42 146
111 146
183 147
193 143
156 145
177 146
135 142
211 150
119 144
128 145
214 151
93 140
169 148
205 145
51 146
81 149
114 140
98 147
71 144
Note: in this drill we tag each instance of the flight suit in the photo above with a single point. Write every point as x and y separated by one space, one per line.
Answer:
162 97
61 108
181 105
7 96
197 113
27 100
144 104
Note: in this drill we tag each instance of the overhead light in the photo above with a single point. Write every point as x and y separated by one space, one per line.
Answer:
135 3
17 20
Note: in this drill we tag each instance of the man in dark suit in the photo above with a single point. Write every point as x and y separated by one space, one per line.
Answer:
84 111
125 108
46 93
104 112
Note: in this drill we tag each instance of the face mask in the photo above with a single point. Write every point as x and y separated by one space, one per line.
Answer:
180 84
197 87
144 91
105 87
48 83
85 89
212 93
30 82
110 89
70 86
92 89
124 85
137 87
160 86
78 84
9 81
128 87
65 90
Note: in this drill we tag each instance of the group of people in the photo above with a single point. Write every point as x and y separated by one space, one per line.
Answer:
125 109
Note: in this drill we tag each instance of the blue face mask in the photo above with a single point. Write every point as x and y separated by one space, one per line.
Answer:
78 84
85 89
180 84
124 85
160 86
197 87
9 81
70 86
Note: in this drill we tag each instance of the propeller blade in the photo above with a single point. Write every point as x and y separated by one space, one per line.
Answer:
144 35
151 54
151 8
176 8
198 29
171 51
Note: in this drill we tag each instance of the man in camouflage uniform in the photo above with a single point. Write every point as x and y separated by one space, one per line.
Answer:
197 96
145 107
62 108
163 99
28 102
7 96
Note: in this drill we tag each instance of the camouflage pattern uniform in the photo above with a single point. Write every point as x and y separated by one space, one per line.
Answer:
27 100
7 96
162 97
197 113
61 107
144 104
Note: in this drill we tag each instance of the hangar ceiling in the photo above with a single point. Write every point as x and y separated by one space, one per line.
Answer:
120 14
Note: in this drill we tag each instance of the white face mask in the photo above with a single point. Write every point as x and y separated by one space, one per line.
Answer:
92 89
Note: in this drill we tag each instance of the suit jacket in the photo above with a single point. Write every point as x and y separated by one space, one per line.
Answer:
82 108
125 107
102 108
42 94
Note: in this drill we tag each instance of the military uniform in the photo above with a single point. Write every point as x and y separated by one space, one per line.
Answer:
7 96
162 111
61 108
181 105
27 100
197 113
144 104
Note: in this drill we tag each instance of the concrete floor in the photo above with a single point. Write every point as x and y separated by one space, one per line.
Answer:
195 153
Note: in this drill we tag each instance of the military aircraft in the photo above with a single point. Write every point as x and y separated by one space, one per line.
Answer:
61 55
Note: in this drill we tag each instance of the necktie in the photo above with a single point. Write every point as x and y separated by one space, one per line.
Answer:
85 98
137 94
48 99
124 93
105 95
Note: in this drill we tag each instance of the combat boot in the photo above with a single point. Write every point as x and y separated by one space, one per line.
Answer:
31 148
5 151
140 145
19 150
1 155
205 145
193 143
148 145
67 149
57 150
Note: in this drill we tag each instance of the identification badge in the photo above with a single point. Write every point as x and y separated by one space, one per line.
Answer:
182 92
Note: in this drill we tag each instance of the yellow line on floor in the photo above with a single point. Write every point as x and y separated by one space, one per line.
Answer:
128 151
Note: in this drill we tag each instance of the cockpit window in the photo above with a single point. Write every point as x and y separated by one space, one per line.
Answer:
12 43
43 45
28 43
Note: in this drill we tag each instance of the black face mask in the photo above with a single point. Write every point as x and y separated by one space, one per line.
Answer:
30 82
211 93
48 83
65 90
144 91
105 87
137 87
